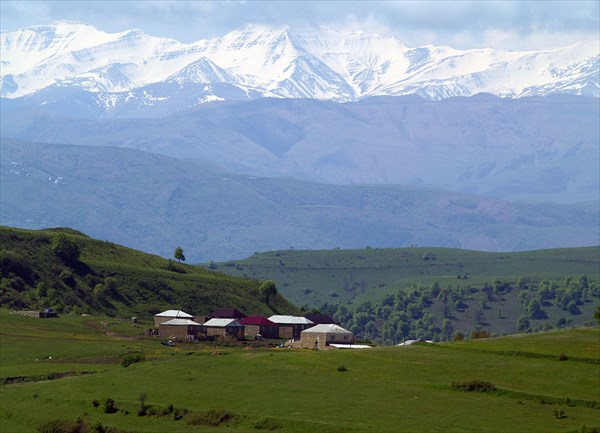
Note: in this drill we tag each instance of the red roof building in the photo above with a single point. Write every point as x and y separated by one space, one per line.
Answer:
259 325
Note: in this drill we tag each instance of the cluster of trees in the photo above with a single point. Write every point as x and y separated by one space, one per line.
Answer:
443 314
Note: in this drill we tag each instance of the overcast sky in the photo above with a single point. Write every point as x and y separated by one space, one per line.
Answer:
461 24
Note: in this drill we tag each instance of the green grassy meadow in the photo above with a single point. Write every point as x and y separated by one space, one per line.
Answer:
384 389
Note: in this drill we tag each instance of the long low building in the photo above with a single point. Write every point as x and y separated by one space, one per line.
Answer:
321 336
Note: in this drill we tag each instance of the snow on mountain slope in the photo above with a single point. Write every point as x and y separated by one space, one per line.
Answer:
258 61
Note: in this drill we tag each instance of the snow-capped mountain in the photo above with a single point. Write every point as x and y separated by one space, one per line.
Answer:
259 61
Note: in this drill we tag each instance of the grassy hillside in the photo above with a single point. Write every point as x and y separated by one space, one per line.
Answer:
151 203
390 295
383 389
318 276
114 280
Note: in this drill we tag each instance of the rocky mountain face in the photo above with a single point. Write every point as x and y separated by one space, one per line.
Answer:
543 149
257 61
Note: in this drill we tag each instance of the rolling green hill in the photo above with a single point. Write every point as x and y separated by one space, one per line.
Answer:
113 280
389 295
66 368
314 277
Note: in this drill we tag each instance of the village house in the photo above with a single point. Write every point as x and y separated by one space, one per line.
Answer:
321 336
223 328
171 314
181 329
259 325
291 326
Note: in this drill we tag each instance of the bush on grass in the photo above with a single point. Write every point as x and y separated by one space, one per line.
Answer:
267 424
62 426
474 386
211 418
132 358
108 406
77 426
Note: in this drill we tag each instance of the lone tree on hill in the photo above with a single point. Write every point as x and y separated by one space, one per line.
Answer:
267 289
65 249
178 254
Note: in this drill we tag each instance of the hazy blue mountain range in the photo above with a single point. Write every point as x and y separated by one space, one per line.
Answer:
262 61
544 149
156 203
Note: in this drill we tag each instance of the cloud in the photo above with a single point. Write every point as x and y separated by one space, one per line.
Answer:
464 24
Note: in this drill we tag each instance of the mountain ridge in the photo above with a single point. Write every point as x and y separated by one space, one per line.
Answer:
286 62
541 148
152 203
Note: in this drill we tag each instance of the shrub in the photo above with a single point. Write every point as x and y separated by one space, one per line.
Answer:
166 411
211 418
142 407
459 336
585 429
152 411
267 424
62 426
132 358
562 357
77 426
474 386
65 249
480 333
97 427
95 403
109 406
179 413
342 368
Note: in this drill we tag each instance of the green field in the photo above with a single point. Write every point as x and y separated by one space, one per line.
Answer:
384 389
